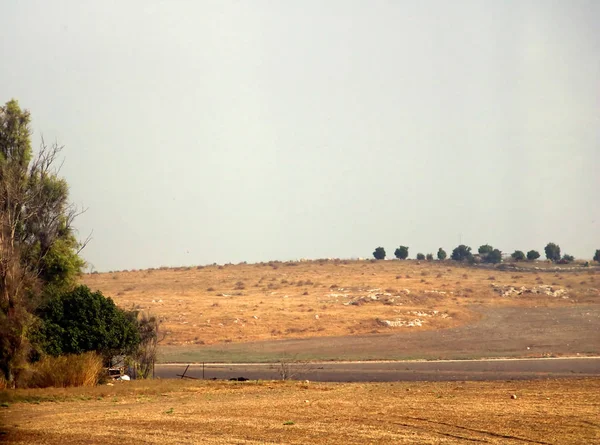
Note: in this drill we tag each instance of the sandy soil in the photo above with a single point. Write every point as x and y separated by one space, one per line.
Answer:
174 412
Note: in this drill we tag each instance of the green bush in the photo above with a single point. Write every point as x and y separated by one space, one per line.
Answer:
597 256
533 255
518 255
81 320
441 254
485 249
552 252
379 253
401 252
429 257
461 253
494 257
420 256
567 259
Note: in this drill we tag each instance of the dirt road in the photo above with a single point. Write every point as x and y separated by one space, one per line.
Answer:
451 370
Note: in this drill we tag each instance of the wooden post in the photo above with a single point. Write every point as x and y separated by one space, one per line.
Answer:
183 375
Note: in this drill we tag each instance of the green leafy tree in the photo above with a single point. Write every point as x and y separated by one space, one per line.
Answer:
518 255
597 256
420 256
552 252
567 259
38 251
533 255
401 252
429 257
494 257
461 253
485 249
379 253
81 320
441 254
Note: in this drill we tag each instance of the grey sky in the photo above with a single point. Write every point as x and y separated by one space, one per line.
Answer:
222 131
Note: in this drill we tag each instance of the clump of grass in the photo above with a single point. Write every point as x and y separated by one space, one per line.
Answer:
64 371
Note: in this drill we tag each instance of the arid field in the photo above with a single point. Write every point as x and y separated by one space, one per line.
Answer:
174 411
249 306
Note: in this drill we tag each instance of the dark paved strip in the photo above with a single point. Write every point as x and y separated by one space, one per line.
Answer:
480 370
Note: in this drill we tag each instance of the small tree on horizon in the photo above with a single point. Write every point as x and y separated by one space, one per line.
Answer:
429 257
518 255
461 253
597 256
494 257
441 254
420 256
401 252
533 255
379 253
485 249
552 252
567 259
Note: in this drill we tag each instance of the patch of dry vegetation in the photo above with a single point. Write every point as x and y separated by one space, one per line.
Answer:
170 412
246 302
63 371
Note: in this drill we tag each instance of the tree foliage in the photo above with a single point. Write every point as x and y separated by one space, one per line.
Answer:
533 255
81 320
552 252
401 252
441 254
494 257
597 256
429 257
379 253
567 259
485 249
38 251
461 253
420 256
518 255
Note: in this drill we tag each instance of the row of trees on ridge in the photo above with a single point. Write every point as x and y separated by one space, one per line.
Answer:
485 254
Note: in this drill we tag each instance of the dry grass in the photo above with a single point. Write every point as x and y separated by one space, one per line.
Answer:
246 302
64 371
170 412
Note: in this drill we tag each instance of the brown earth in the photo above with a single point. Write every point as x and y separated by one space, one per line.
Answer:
174 411
356 310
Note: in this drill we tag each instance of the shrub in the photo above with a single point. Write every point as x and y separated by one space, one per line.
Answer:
494 257
597 256
485 249
533 255
461 253
81 321
518 255
65 370
379 253
420 256
441 255
401 252
552 252
429 257
567 259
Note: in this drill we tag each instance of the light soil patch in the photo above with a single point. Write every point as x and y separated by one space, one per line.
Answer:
273 301
174 412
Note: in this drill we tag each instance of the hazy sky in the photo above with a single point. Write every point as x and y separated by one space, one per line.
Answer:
226 131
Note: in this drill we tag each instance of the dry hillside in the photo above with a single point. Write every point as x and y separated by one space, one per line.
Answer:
246 302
